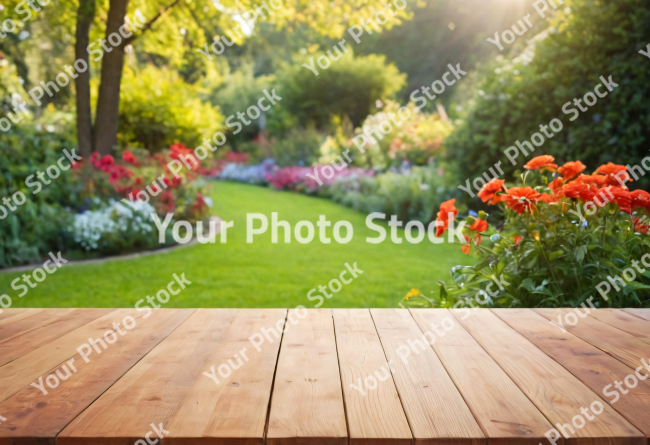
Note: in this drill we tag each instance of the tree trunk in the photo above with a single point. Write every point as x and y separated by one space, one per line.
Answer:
108 102
85 16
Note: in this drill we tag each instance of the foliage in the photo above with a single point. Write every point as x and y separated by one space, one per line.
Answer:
36 227
564 234
349 87
415 139
411 194
157 109
298 147
514 96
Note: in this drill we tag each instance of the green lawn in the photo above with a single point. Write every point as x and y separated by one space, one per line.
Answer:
262 274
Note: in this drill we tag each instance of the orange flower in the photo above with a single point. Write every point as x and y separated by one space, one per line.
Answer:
521 199
489 192
571 169
578 190
610 169
639 226
517 240
623 198
466 249
545 197
446 208
613 174
539 162
594 180
479 225
556 185
640 199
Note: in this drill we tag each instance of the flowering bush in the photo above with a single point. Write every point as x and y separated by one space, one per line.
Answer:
116 228
183 195
564 233
295 178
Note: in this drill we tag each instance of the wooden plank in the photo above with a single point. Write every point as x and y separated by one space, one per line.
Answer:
39 330
169 387
35 417
589 364
27 322
19 373
641 313
620 345
624 321
307 403
10 313
375 417
503 412
435 409
554 390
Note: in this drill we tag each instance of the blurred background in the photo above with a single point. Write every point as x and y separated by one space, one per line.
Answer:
159 93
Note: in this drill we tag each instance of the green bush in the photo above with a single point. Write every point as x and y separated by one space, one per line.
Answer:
349 87
298 147
157 109
412 195
514 96
36 227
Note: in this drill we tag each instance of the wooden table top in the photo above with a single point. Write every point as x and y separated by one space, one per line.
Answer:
324 377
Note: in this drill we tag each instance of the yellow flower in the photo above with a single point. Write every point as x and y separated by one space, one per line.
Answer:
412 293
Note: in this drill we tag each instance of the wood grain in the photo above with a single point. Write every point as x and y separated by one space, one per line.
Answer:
555 391
624 321
22 371
434 407
376 417
307 404
620 345
589 364
25 335
503 412
168 386
36 417
641 313
11 313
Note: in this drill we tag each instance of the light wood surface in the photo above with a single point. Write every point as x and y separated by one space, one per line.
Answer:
619 344
307 403
62 404
503 412
599 372
554 390
428 377
624 321
434 407
375 416
641 313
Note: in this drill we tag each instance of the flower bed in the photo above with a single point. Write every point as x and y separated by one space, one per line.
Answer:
567 236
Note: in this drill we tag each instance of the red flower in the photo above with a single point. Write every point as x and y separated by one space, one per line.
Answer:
521 199
545 197
539 162
578 190
639 226
622 198
446 208
489 192
556 185
640 199
108 160
139 180
517 240
610 169
594 180
128 157
571 169
479 225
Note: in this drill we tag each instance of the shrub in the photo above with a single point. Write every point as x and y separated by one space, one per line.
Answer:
514 96
157 109
564 234
36 227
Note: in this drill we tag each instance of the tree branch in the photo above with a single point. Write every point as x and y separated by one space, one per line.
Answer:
150 23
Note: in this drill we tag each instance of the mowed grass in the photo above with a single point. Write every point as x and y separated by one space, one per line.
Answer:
261 274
